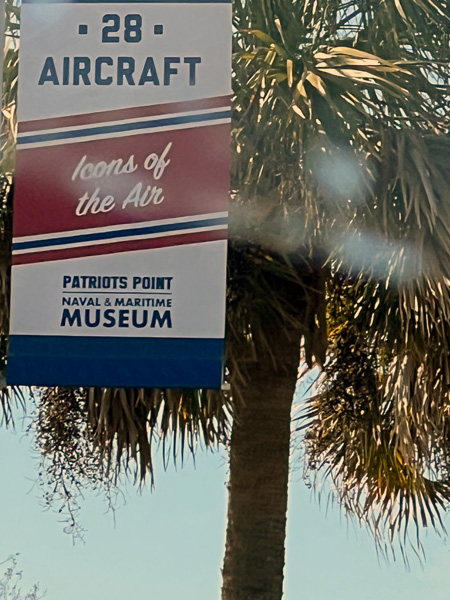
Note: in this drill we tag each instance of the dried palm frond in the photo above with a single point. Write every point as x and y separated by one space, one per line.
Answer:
10 398
122 426
90 438
10 79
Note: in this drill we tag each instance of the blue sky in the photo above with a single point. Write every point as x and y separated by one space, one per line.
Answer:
168 544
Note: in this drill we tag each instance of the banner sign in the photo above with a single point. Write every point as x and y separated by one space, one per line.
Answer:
121 194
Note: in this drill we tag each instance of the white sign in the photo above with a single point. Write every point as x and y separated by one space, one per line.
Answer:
121 194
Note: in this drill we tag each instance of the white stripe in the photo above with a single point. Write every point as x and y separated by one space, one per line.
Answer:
118 240
118 134
187 219
26 146
145 119
98 136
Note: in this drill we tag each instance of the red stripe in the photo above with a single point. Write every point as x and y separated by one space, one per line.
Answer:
130 246
126 113
196 180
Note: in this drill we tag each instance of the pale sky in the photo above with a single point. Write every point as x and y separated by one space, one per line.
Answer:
168 544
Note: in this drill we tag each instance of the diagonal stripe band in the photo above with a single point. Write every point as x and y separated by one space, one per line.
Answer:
104 130
71 241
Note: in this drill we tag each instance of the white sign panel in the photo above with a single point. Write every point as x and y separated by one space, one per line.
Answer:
121 194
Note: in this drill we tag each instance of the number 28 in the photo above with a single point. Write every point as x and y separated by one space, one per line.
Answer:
132 29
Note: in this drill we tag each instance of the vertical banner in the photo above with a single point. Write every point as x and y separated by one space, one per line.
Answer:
121 194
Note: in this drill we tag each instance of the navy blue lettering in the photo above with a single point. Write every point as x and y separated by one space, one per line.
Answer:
71 319
49 72
192 61
125 70
81 70
133 29
109 318
157 318
99 78
66 70
168 70
109 29
134 319
87 315
149 74
124 316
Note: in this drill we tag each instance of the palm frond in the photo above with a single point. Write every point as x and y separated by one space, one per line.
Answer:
379 428
10 80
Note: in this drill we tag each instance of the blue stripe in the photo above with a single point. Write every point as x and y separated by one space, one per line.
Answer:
110 235
107 129
115 362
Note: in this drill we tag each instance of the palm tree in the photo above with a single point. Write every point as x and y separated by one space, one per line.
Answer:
342 170
340 257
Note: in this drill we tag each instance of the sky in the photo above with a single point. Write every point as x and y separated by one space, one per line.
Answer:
168 544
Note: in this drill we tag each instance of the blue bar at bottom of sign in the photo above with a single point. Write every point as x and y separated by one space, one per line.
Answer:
37 360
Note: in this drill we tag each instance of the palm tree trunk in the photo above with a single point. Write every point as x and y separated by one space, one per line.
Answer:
259 469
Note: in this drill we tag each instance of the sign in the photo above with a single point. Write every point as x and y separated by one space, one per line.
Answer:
121 194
